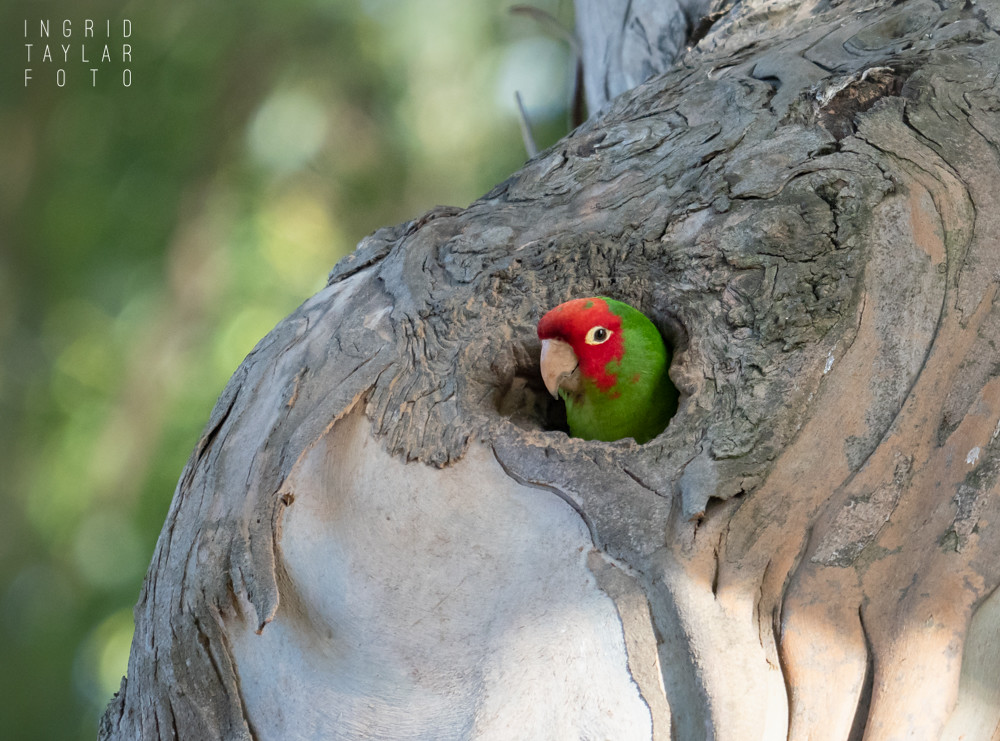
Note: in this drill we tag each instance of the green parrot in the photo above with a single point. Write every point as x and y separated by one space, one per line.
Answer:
609 364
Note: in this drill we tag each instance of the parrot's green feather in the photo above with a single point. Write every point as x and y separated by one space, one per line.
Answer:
642 401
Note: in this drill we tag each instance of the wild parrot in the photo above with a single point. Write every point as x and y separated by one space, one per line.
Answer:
609 364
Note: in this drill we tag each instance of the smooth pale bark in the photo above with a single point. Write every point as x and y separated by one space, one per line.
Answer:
806 201
413 608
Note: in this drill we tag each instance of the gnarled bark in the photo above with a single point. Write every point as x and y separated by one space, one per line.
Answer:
383 533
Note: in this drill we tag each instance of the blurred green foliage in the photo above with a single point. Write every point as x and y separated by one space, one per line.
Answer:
151 234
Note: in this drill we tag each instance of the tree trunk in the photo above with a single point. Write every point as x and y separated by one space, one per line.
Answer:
383 532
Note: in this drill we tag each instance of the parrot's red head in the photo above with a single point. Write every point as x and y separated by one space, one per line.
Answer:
581 336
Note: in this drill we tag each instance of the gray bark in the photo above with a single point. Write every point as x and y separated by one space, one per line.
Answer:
806 203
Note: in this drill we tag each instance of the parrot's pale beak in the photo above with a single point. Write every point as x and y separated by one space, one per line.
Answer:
560 367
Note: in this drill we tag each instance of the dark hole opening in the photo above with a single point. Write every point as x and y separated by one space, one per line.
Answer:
525 400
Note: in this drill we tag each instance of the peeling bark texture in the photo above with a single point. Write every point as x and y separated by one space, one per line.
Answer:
804 197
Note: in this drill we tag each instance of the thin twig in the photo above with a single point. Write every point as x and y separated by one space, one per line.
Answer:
526 135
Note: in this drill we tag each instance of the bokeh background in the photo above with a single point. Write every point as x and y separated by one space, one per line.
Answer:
150 235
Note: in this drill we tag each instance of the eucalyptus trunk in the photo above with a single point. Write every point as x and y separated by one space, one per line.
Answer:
385 533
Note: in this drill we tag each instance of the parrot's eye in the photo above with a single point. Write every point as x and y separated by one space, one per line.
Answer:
597 335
